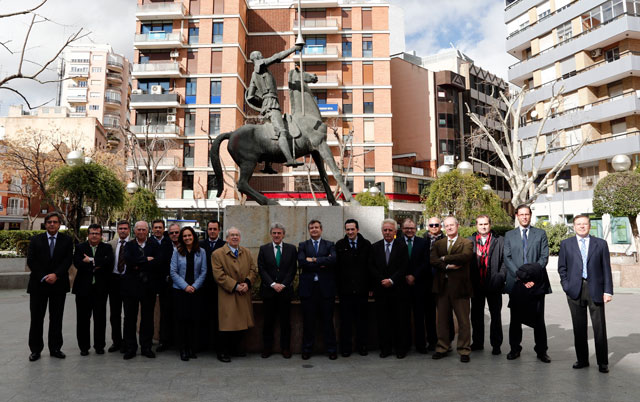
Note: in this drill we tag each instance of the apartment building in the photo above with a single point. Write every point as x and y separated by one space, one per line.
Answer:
96 82
588 51
431 127
191 70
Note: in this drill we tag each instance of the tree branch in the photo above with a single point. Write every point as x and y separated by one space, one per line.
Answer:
23 11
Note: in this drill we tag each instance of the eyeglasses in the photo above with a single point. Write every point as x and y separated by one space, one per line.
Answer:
95 233
53 221
434 225
174 233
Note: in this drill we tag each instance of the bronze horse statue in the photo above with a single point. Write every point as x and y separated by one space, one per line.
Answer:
252 144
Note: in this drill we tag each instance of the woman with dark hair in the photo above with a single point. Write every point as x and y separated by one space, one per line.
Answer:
188 270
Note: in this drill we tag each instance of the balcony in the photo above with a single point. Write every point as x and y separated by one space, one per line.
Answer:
317 3
166 163
325 81
112 99
328 109
160 11
159 40
77 96
153 70
155 101
16 211
318 25
114 77
312 53
111 122
156 131
115 61
78 114
78 72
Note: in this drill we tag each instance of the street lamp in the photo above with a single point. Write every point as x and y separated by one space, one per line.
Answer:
75 158
132 188
442 170
465 167
374 191
621 163
487 188
218 200
563 185
549 197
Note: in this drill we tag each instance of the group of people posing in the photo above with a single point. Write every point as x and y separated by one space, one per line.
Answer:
417 284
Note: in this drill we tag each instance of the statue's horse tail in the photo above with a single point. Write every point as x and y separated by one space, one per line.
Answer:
215 160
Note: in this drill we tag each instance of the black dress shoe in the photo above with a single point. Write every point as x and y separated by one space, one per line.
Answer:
603 368
438 355
129 355
496 351
476 347
162 347
100 351
401 355
114 348
579 365
286 353
363 351
465 358
148 353
266 353
34 356
223 357
333 356
384 354
184 356
345 354
544 358
58 354
513 355
306 355
84 353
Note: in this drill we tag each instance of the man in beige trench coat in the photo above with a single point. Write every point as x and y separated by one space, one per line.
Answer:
234 271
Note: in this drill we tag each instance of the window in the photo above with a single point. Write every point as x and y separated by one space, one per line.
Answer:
347 102
161 190
368 102
347 73
216 61
367 73
615 89
82 84
187 185
346 46
93 82
194 35
633 7
216 91
589 176
346 18
94 107
212 186
369 130
445 120
400 185
81 109
620 233
367 46
316 44
521 22
190 123
157 27
188 154
320 97
214 123
546 42
543 10
618 126
145 85
96 69
367 18
192 85
369 159
568 67
612 55
217 32
591 19
447 147
565 32
97 57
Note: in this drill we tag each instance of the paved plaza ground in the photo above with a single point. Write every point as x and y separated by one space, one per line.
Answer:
415 378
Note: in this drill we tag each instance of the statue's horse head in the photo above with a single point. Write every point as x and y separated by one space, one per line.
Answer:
310 105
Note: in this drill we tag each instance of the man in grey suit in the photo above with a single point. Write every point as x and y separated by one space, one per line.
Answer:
585 274
525 245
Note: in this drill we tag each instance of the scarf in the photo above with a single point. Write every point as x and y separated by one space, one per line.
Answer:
482 255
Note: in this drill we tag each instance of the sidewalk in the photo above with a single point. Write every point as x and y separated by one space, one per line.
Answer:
416 378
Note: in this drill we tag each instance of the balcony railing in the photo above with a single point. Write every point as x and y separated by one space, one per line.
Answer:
168 162
114 60
540 19
163 68
113 100
16 211
318 24
158 39
114 76
156 129
160 10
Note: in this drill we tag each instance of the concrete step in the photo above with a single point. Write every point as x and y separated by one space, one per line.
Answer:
14 280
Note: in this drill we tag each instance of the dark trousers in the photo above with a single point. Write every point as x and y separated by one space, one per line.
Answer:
494 300
353 311
38 307
230 342
146 302
461 307
393 315
93 304
430 318
311 307
578 310
277 307
417 299
539 331
186 318
208 330
114 288
165 294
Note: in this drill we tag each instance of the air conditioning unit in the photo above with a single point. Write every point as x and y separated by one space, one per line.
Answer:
596 52
136 92
589 180
174 54
156 89
171 110
171 118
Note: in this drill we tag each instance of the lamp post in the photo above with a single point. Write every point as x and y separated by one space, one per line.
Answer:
131 190
621 163
465 167
487 188
442 170
549 197
563 185
76 158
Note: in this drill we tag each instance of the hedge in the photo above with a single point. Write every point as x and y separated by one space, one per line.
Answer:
10 238
466 231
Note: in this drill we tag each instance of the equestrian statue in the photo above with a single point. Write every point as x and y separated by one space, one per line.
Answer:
280 138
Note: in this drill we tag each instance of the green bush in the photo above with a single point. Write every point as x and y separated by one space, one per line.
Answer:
22 246
9 238
555 234
466 231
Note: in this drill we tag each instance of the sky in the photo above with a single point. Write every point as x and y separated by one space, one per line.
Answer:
475 27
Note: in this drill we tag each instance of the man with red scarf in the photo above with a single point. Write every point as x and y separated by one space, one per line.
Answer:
488 274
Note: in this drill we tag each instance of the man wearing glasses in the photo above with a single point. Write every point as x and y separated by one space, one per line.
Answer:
115 285
433 234
164 283
49 258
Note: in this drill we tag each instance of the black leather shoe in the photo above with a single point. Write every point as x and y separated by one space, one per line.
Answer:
223 357
438 355
84 353
148 353
579 365
34 356
184 356
496 351
129 355
401 355
544 358
100 351
333 356
384 354
306 355
266 353
465 359
286 353
114 348
363 351
58 354
162 347
476 347
345 354
513 355
603 368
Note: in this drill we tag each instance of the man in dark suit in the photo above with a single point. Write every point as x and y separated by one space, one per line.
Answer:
49 258
209 290
584 265
432 235
316 259
277 266
488 274
141 255
418 277
353 287
93 259
163 283
523 245
114 285
451 258
388 263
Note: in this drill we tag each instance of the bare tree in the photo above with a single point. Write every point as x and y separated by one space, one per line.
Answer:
520 162
41 67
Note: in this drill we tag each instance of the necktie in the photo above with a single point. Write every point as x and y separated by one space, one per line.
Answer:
524 245
315 246
583 252
121 257
52 245
278 255
410 246
450 245
235 252
211 245
353 244
387 252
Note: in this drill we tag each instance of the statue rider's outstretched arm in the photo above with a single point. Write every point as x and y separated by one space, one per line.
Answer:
278 57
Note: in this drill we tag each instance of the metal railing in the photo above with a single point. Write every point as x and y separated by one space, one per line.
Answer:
156 129
16 211
540 19
327 79
164 8
155 67
612 137
317 23
159 37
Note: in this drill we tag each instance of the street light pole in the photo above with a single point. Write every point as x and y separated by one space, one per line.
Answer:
563 185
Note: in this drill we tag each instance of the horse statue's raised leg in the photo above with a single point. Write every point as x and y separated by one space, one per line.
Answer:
246 171
323 177
325 153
